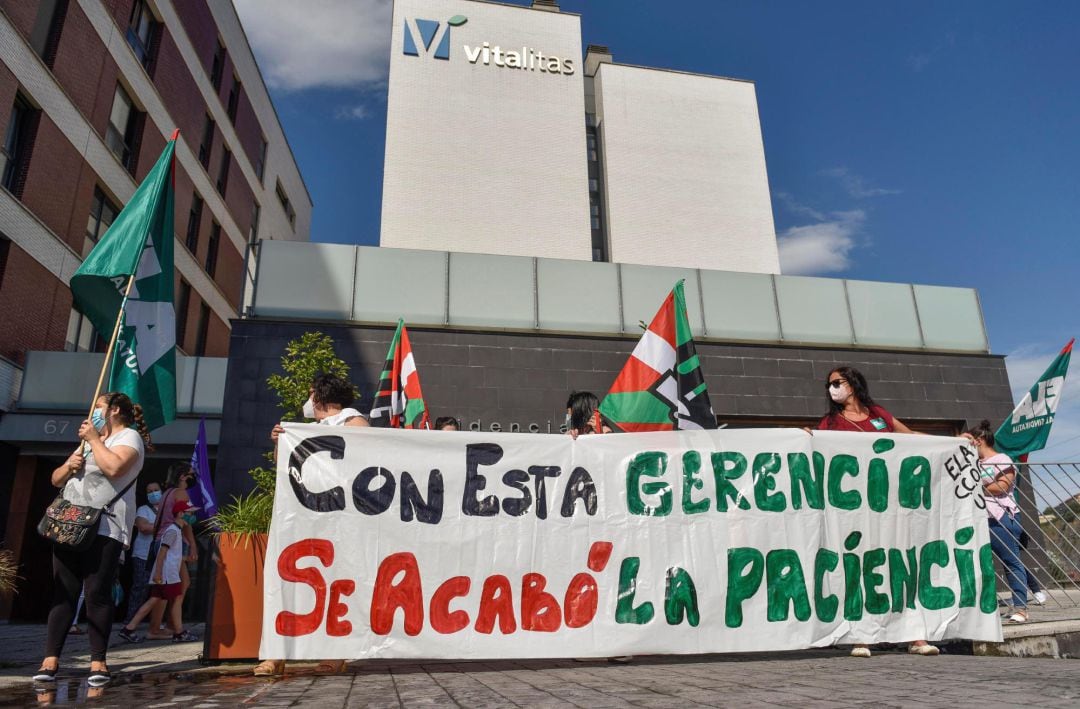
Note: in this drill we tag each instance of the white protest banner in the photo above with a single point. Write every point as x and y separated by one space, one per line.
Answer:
432 544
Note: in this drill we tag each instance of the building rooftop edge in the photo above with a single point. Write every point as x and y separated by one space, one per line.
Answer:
678 71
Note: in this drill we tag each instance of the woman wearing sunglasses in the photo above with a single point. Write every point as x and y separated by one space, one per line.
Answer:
852 409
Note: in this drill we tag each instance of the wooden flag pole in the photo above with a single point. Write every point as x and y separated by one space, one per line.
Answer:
109 350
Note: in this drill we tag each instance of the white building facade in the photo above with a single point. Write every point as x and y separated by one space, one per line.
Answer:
503 138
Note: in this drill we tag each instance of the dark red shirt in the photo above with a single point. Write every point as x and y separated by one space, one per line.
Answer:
837 422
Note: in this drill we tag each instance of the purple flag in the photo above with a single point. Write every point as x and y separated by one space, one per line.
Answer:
202 494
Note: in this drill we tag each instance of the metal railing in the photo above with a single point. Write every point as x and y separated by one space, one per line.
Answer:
1048 496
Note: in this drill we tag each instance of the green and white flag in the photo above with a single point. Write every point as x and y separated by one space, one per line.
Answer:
139 242
1027 429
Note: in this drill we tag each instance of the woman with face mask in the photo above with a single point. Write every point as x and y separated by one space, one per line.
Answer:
179 478
145 517
998 483
329 403
106 464
852 409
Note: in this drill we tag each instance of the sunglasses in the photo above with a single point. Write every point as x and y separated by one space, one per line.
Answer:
836 384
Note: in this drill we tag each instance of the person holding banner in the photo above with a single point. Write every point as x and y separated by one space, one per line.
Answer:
447 423
104 468
852 409
999 481
329 402
583 415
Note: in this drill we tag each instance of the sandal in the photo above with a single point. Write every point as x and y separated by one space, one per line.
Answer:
1017 617
76 630
128 636
270 668
99 678
44 674
184 637
927 650
330 667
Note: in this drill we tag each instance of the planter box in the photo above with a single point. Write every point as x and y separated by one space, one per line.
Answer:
234 625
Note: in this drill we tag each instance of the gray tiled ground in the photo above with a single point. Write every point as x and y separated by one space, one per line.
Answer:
818 679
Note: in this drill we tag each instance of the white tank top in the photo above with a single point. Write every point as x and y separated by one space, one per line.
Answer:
339 419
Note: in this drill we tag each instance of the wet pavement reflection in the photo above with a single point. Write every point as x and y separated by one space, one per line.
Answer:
163 690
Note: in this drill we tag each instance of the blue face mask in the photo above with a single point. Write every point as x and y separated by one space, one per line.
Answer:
154 497
98 418
188 517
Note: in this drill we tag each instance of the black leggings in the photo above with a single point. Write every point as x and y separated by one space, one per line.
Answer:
96 568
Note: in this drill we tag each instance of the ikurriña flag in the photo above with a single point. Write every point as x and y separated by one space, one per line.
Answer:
139 243
1028 427
399 402
661 387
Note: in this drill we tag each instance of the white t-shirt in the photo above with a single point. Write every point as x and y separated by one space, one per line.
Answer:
141 546
90 487
339 419
170 567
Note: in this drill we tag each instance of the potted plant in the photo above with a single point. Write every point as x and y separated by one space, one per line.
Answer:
234 626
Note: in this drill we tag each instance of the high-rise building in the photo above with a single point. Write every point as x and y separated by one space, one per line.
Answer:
501 139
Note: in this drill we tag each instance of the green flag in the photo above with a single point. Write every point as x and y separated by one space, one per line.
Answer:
139 243
1028 428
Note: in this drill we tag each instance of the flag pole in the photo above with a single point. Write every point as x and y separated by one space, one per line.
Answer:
112 345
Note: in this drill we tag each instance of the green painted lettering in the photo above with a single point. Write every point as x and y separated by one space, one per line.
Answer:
932 597
839 498
728 466
903 579
680 598
825 561
745 567
876 602
767 465
648 464
915 482
691 462
625 612
803 482
786 585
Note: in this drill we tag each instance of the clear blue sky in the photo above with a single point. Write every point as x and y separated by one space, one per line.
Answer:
924 142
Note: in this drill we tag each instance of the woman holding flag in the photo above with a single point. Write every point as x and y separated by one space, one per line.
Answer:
102 469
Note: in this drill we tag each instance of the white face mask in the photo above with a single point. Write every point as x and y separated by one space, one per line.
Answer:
840 395
309 408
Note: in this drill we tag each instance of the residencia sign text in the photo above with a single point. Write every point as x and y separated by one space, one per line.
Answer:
433 544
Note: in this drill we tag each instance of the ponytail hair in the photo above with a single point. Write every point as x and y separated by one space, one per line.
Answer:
983 431
131 414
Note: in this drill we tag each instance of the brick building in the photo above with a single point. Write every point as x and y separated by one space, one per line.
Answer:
90 91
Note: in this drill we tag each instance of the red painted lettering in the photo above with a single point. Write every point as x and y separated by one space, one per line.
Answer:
442 619
296 624
539 609
390 596
336 626
496 600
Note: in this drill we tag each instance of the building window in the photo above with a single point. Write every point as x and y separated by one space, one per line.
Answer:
290 213
81 336
234 99
5 249
13 153
223 172
123 128
260 163
45 36
253 232
183 300
204 326
207 142
219 67
141 33
102 214
194 220
594 184
212 249
591 140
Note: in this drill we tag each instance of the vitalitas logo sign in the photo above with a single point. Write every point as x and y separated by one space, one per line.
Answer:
432 33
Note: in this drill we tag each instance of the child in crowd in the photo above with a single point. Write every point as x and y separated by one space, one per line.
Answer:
165 583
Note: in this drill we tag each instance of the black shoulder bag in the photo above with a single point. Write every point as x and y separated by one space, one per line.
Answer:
74 527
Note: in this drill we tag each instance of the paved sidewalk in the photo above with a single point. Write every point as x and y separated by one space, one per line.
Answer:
820 678
21 648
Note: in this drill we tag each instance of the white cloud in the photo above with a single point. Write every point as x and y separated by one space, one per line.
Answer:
352 113
319 43
823 247
798 208
857 186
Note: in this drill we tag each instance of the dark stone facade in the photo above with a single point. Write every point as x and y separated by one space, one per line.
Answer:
524 378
